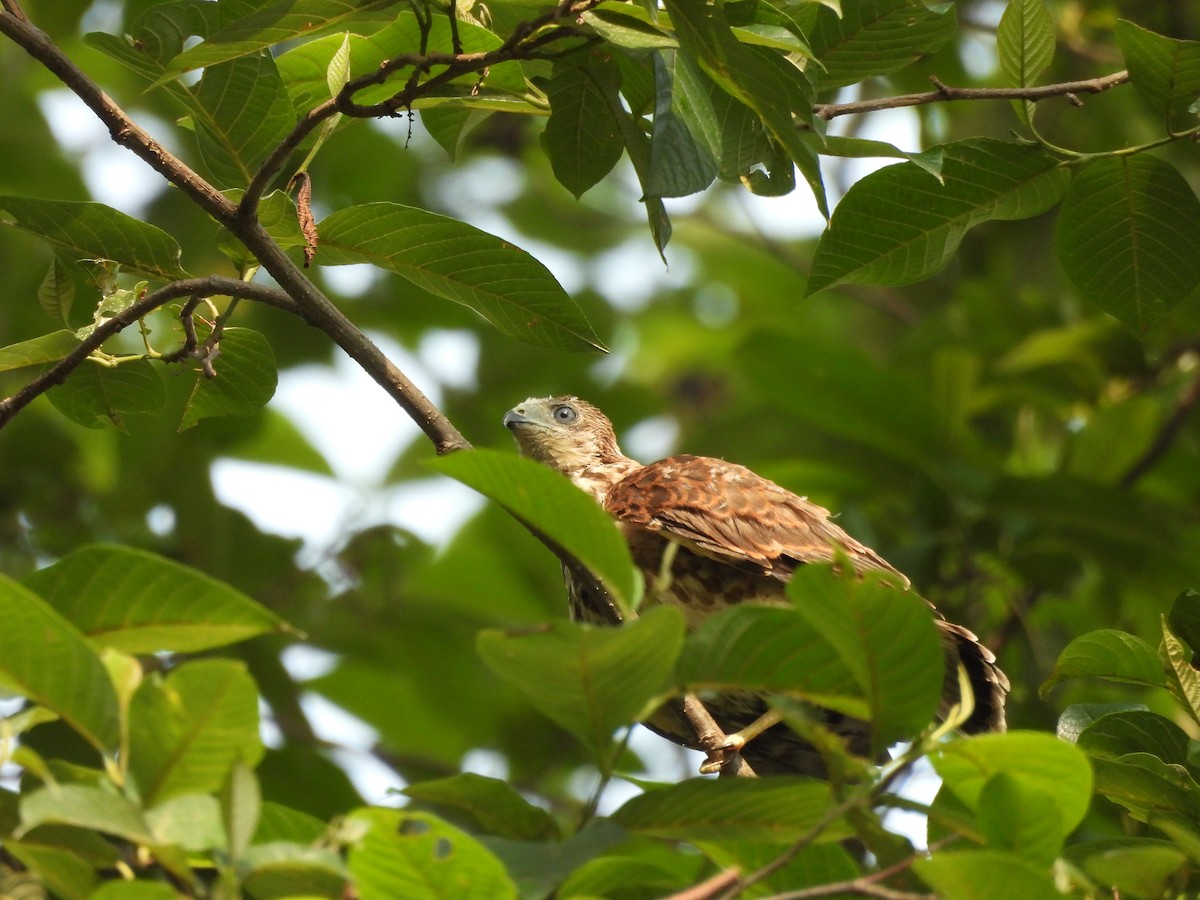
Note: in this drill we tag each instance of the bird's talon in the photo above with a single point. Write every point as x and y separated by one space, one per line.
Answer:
734 743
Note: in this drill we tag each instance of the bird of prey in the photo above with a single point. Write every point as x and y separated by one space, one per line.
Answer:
737 537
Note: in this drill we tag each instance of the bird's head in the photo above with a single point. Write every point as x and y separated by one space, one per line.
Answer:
565 433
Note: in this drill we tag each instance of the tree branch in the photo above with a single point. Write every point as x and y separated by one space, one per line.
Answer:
1166 434
945 93
309 302
186 287
521 44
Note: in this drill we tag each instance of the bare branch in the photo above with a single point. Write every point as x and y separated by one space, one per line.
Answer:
187 287
945 93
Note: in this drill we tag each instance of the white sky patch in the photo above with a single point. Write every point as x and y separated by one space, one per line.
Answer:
113 175
451 355
652 439
348 417
631 273
350 281
433 510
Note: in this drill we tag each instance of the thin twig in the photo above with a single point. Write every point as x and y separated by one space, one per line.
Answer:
945 93
710 888
1165 439
194 287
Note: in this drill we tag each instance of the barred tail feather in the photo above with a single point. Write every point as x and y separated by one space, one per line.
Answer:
989 684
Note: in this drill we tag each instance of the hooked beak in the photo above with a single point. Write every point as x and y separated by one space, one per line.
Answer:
514 417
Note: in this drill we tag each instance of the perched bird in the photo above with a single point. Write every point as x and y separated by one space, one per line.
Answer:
740 537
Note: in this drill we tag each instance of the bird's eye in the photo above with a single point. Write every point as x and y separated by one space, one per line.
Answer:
565 414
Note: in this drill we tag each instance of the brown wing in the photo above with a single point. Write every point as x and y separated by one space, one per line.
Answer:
725 511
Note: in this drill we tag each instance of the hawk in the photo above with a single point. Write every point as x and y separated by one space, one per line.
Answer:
739 537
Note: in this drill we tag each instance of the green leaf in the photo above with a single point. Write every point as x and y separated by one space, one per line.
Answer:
1184 618
1135 867
1025 45
494 805
875 37
763 648
245 380
305 68
900 224
1163 70
134 890
241 807
61 871
772 87
685 140
94 808
1078 716
589 680
419 857
1182 677
283 871
1109 654
47 348
1019 818
1129 237
263 27
248 114
626 30
1146 785
886 636
57 291
44 658
1135 731
986 875
1034 759
191 822
452 260
582 138
95 231
780 809
865 648
95 394
187 731
141 603
861 148
546 501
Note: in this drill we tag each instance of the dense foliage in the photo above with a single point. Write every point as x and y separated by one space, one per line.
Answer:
987 361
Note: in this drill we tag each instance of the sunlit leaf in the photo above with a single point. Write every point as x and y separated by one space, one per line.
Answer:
455 261
972 875
774 810
47 348
589 680
495 805
188 730
1109 654
95 231
545 500
418 856
1038 760
97 808
45 658
138 602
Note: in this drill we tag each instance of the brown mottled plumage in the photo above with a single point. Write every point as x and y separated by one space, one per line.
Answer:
741 537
